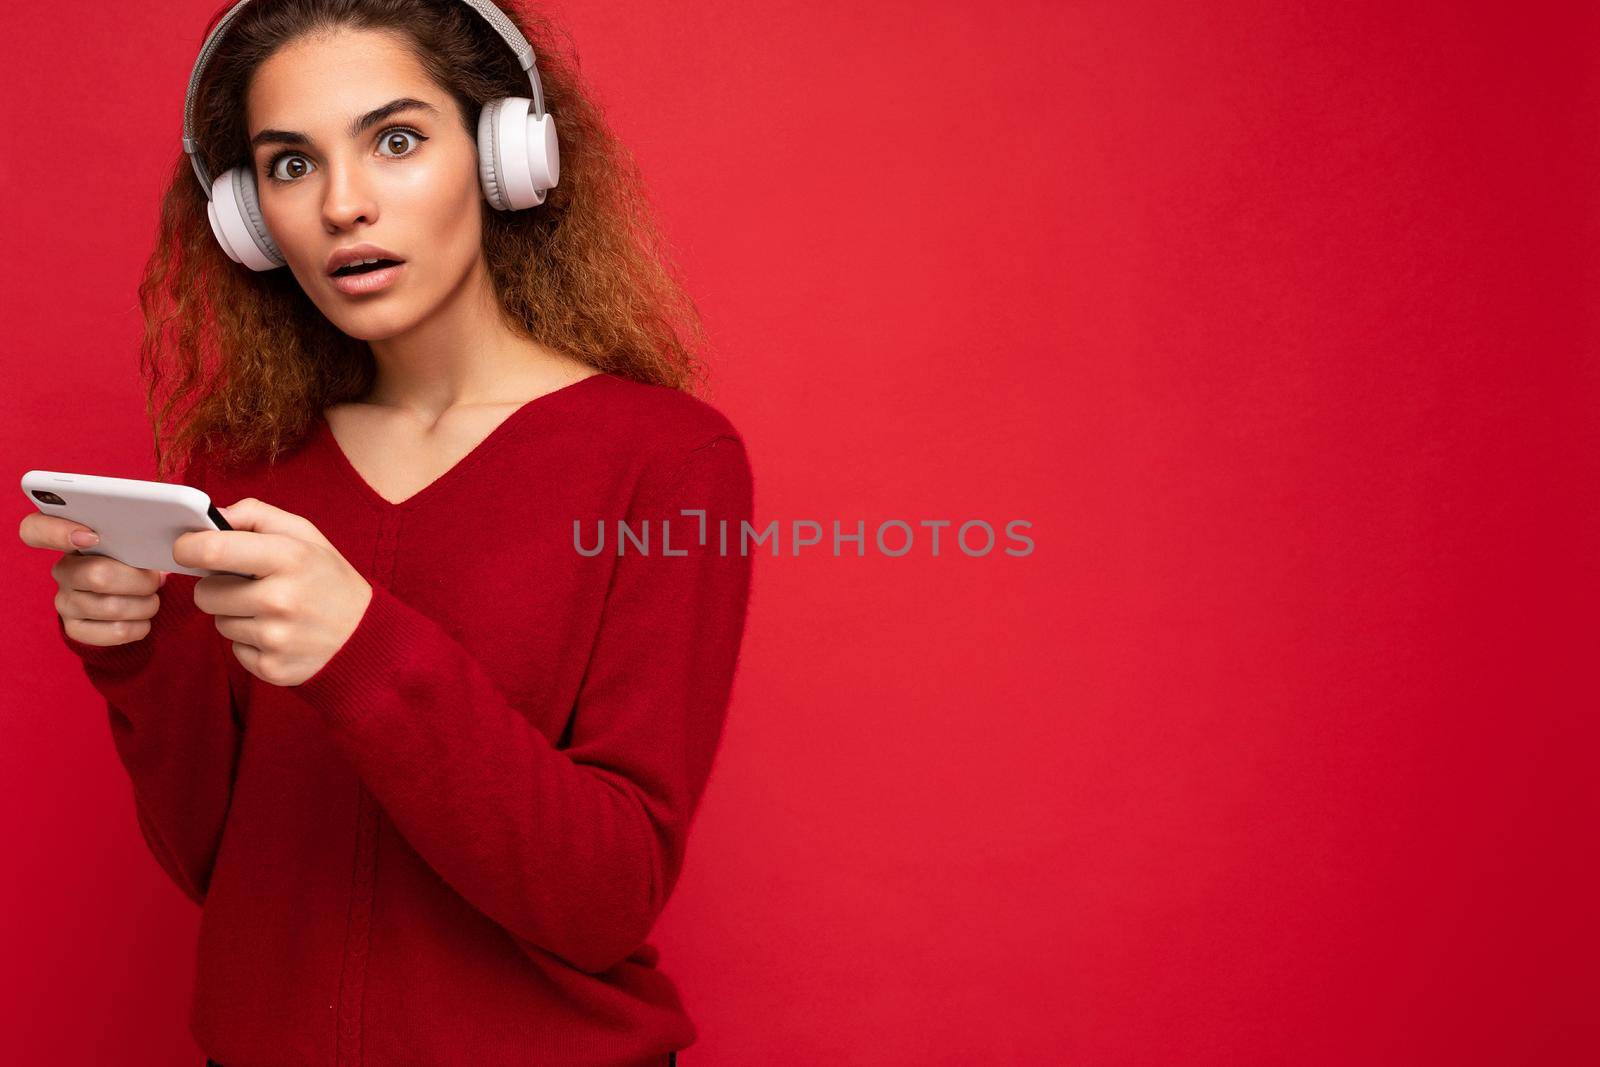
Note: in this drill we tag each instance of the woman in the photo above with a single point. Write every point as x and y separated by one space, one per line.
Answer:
430 772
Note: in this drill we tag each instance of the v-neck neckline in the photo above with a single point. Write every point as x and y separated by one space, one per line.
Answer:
457 469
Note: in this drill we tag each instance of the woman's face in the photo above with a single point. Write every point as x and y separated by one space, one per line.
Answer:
406 181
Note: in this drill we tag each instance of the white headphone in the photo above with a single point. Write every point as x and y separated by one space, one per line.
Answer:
518 159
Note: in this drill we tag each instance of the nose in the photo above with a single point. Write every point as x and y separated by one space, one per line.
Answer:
347 196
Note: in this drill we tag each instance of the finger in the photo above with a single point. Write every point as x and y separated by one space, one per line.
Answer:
239 551
244 631
226 595
104 607
99 632
102 574
258 516
248 655
39 530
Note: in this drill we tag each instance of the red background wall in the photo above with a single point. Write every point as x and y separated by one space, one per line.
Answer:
1278 326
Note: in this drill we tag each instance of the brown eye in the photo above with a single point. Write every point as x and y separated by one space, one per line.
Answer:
297 168
401 142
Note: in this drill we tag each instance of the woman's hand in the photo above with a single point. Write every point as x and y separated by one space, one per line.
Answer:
101 601
301 607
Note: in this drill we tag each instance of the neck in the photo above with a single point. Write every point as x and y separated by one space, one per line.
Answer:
466 354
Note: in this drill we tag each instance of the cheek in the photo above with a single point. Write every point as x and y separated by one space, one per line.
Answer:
436 207
295 222
447 238
438 187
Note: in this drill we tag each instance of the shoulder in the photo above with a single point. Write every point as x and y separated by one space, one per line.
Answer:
677 442
664 427
661 416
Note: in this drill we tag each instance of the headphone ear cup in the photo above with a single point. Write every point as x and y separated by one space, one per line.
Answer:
544 154
489 155
237 223
519 158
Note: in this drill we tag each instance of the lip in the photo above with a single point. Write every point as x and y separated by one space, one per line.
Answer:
373 281
352 253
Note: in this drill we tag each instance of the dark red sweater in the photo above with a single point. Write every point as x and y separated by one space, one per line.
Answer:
450 844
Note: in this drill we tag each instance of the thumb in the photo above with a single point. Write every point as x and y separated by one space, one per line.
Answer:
257 516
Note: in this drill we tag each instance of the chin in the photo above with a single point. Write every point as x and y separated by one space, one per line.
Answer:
374 324
381 332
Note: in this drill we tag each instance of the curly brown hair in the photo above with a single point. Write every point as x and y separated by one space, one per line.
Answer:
238 363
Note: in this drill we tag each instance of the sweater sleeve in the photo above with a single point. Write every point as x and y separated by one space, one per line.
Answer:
572 850
169 699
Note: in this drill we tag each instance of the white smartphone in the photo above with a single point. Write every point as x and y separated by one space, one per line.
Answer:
137 520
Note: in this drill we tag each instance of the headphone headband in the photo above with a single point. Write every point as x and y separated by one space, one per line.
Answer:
491 14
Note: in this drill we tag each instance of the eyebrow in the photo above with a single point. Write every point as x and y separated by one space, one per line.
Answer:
371 118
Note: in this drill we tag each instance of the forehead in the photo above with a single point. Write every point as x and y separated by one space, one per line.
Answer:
316 83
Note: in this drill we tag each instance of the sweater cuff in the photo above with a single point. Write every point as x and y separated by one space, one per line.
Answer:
177 608
367 664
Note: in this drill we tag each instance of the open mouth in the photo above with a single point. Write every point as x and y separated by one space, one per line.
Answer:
365 267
